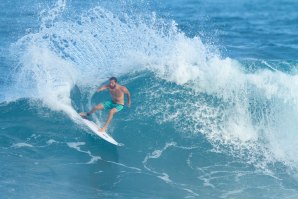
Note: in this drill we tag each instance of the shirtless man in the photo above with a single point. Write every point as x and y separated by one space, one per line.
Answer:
115 105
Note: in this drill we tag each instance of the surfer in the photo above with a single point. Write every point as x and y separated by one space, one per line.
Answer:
115 105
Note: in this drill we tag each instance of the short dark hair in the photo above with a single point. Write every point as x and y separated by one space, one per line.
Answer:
113 78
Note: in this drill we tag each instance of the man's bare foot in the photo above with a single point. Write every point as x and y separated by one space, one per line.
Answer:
103 129
83 115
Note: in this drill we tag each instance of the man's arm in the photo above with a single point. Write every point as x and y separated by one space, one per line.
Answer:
126 91
102 88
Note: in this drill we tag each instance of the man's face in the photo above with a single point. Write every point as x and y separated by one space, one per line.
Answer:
112 84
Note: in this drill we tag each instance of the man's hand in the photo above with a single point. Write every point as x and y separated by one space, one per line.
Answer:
128 104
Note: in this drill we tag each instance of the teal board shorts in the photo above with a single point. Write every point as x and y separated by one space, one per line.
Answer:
110 104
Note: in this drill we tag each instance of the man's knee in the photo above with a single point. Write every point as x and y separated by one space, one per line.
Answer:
99 107
113 111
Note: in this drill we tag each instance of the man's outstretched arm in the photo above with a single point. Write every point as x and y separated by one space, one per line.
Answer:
102 88
126 91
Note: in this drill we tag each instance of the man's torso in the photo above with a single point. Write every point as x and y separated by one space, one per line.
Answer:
117 95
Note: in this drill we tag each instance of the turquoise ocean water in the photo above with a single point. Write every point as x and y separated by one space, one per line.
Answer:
214 87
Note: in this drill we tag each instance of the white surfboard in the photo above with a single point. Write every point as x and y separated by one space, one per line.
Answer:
94 128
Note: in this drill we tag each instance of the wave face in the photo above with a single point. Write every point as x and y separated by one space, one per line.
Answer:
202 124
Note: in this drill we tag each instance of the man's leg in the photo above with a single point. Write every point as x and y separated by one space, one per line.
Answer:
111 114
98 107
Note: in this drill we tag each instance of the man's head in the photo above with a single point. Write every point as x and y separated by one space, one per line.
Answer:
113 82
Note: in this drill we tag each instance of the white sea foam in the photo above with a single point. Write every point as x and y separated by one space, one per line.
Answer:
20 145
165 177
51 141
76 146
